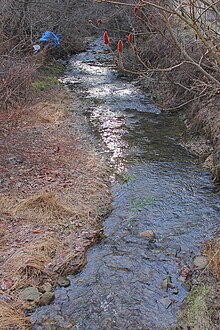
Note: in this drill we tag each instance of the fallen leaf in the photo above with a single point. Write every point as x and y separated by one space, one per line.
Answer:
6 284
37 231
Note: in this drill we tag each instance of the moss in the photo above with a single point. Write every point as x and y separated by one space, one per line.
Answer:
124 177
45 83
49 77
197 310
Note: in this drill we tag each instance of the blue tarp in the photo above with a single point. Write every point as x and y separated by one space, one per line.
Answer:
51 37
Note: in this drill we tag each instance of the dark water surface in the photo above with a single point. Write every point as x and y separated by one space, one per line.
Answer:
157 186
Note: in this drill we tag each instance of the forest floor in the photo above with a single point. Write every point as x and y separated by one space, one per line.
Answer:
54 194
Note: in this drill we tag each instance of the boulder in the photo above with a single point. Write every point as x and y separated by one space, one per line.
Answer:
30 294
200 262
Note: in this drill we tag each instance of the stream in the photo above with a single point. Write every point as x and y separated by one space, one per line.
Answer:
157 186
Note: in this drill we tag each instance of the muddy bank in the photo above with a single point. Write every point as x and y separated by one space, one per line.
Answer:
54 194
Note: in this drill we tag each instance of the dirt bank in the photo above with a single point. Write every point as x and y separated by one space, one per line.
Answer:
201 309
54 193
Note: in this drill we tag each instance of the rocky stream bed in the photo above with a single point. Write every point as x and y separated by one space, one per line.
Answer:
164 209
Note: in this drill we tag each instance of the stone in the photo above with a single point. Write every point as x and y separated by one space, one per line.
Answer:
175 291
181 279
47 287
200 262
148 234
63 281
164 284
30 294
167 283
46 298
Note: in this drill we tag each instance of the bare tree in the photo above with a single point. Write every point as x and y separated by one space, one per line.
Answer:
190 26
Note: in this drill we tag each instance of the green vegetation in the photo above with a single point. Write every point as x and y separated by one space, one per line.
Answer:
138 204
49 78
125 177
45 83
197 311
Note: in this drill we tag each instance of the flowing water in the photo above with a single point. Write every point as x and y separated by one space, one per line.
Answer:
157 186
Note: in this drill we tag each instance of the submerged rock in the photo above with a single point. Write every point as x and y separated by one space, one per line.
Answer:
30 294
167 283
63 281
148 234
200 262
175 291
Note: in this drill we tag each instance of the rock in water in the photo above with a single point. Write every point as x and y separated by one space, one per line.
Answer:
200 262
149 234
30 294
63 281
46 298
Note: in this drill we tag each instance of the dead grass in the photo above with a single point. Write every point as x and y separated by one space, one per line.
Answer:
29 263
51 219
51 113
11 319
212 251
45 207
6 203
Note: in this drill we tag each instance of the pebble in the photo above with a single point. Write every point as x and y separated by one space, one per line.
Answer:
167 283
149 234
175 291
181 279
63 281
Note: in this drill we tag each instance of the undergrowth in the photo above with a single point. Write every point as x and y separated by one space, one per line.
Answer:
48 77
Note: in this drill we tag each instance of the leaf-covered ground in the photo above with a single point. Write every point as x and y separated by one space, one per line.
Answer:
54 193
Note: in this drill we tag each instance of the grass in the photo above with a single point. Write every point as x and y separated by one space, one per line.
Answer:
202 303
125 177
45 207
49 77
48 226
45 83
31 261
138 204
197 312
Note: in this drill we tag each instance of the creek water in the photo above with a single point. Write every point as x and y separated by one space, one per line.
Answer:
157 186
